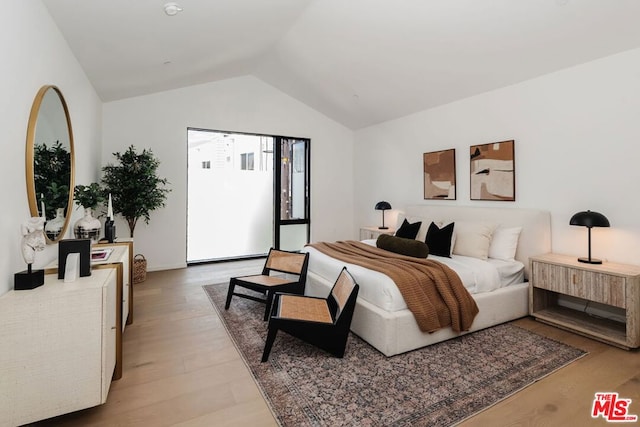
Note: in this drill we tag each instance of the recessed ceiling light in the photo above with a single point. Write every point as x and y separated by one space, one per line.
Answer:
172 8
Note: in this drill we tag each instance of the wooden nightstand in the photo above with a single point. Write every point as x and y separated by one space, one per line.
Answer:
614 285
374 232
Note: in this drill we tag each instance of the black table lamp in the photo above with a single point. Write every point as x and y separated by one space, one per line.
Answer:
383 206
589 219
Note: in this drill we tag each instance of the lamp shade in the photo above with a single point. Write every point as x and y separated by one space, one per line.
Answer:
383 206
589 219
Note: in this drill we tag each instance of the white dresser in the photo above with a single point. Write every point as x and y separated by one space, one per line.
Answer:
58 346
121 259
122 253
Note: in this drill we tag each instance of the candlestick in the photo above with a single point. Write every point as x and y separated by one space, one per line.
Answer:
42 214
110 209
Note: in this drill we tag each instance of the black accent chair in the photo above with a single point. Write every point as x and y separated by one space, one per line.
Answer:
323 322
292 263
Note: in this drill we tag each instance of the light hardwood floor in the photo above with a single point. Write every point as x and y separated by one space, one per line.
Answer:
181 368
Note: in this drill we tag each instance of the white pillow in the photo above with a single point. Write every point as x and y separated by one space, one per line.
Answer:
473 238
504 243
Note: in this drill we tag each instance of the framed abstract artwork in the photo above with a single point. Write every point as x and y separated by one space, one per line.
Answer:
493 171
440 175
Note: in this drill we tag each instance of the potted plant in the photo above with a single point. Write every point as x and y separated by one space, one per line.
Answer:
89 197
136 191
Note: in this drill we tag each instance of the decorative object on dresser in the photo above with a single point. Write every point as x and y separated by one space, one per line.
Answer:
33 240
383 206
74 246
440 175
493 171
109 223
589 219
563 292
89 197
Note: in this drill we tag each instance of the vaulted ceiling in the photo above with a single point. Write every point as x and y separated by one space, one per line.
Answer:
359 62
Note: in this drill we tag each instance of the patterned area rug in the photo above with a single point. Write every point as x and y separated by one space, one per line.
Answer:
439 385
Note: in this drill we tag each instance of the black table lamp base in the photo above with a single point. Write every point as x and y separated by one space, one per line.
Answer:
590 260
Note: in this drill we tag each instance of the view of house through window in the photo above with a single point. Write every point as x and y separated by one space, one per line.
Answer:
230 195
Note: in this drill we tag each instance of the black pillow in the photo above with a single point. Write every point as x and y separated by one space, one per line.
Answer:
439 239
403 246
407 230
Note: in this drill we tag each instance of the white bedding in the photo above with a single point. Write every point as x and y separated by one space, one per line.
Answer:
393 330
478 276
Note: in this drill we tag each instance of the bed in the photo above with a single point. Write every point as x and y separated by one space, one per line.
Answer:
381 317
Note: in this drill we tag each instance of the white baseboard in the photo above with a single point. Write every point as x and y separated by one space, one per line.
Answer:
167 267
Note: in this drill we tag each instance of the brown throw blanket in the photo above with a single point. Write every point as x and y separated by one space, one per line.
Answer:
433 292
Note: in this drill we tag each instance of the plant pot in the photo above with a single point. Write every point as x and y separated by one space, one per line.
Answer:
88 227
54 227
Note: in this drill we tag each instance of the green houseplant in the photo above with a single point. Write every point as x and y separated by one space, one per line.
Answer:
135 188
89 197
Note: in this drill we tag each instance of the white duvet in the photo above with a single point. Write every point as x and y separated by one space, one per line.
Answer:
477 276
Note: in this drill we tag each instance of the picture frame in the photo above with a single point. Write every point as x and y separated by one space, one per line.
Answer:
492 171
439 175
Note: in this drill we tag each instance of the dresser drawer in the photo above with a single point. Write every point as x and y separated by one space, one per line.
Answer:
593 286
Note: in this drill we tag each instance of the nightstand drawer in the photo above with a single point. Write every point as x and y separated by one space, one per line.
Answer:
589 285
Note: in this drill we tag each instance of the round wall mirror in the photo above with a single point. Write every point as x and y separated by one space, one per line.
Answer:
50 161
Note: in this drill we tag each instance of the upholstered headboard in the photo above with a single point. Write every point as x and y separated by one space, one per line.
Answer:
535 237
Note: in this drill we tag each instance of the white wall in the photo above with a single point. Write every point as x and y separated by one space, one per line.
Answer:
245 104
576 133
33 54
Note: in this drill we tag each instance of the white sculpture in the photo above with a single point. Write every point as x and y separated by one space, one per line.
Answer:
32 238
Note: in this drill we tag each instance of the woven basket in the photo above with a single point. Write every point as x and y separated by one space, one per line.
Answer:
139 268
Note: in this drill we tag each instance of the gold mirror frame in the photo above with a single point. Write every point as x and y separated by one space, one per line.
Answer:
30 158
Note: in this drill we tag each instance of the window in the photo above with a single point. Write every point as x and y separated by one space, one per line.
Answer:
234 214
246 161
